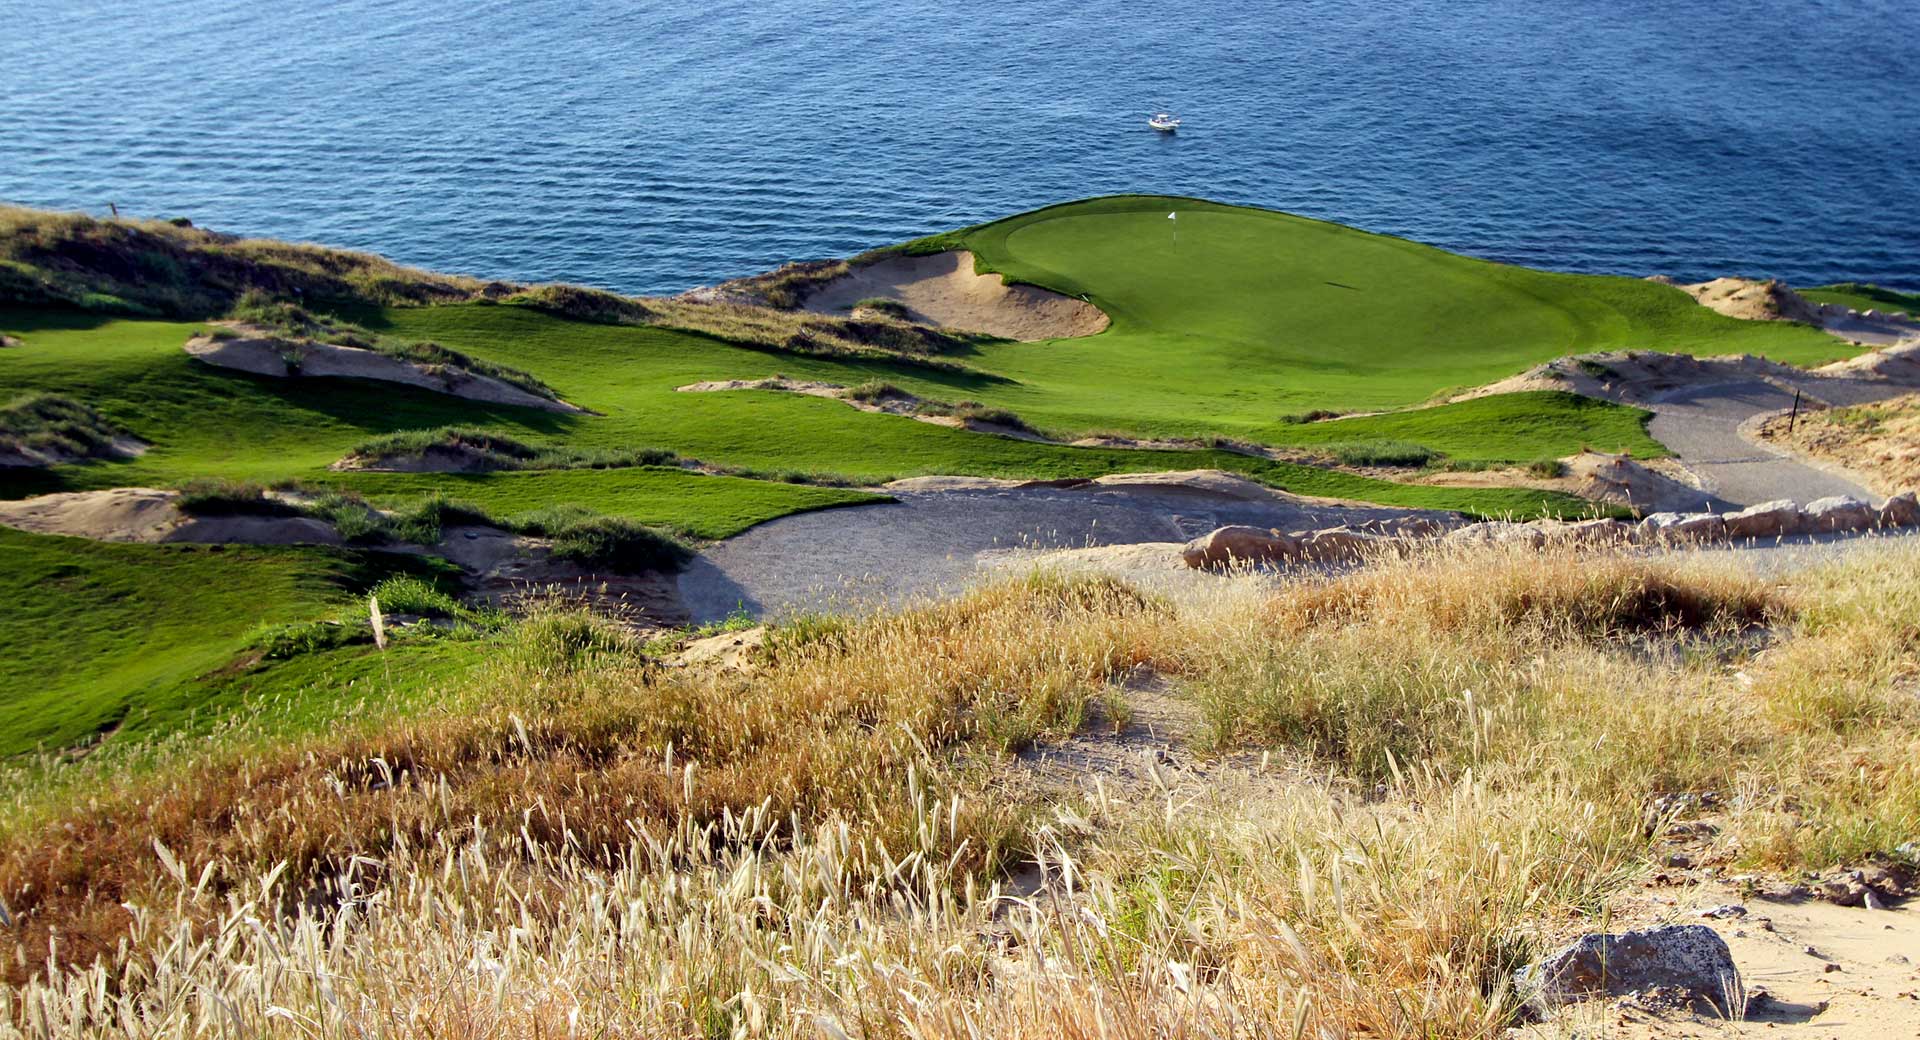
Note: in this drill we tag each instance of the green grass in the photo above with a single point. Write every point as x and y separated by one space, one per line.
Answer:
1260 318
209 422
139 639
1863 297
1254 314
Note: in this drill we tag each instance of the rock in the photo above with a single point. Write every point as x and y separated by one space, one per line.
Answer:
1654 526
1725 911
1690 959
1839 513
1240 544
1596 532
1766 520
728 651
1341 543
1683 527
1498 532
1698 527
1902 510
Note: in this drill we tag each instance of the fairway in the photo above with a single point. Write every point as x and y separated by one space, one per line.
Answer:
202 421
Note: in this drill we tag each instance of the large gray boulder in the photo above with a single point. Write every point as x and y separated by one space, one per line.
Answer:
1902 510
1690 961
1767 520
1840 513
1239 544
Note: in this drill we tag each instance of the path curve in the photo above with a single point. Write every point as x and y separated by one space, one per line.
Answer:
930 543
1701 425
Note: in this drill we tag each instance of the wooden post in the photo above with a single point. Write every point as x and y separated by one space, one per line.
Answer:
114 208
1795 417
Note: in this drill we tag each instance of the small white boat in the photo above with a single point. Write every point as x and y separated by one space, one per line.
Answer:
1165 122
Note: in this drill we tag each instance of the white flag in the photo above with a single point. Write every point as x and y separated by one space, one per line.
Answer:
1171 216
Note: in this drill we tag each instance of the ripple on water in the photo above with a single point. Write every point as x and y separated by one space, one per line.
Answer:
651 150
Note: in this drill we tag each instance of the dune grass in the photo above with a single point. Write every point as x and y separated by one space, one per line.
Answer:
56 429
492 450
1461 752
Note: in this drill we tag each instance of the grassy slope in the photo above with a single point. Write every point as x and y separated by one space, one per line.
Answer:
104 635
1865 297
1255 314
205 421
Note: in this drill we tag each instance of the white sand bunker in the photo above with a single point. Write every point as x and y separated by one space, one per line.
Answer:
151 515
263 353
943 290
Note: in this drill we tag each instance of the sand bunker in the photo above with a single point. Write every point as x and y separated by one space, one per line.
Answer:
943 289
150 515
283 358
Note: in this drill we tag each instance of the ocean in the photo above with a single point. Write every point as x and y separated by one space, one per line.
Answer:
652 147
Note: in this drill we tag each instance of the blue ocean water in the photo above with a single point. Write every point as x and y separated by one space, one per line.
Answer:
650 147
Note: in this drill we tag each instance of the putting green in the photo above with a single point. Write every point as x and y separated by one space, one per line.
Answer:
1249 315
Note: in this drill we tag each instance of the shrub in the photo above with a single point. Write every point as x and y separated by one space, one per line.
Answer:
1382 453
583 304
1316 415
222 497
499 451
882 305
875 390
59 428
1546 469
407 594
351 516
620 545
424 521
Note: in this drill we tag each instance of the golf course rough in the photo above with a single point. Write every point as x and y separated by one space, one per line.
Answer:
1252 320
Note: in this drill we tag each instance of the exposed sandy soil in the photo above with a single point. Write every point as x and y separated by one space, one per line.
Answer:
149 515
1754 300
437 458
942 289
1827 972
1647 487
1880 441
267 355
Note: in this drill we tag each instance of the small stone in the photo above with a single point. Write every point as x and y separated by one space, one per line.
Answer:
1725 911
1679 861
1690 960
1871 900
1830 968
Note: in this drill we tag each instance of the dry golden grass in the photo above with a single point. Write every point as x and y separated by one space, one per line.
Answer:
1879 441
586 843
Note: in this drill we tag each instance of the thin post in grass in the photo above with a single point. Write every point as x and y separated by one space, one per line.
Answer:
379 623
